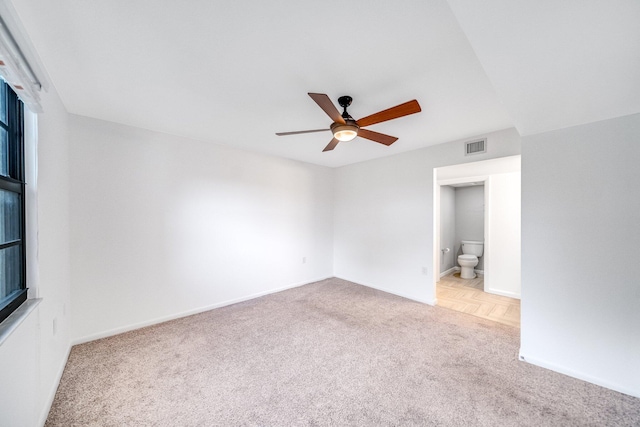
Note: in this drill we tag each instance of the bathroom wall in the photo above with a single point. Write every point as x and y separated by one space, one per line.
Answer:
503 225
469 203
447 227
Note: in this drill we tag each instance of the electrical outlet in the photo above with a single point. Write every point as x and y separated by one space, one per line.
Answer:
55 325
425 270
304 259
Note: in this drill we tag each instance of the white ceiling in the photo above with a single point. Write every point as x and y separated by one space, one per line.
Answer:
557 63
234 73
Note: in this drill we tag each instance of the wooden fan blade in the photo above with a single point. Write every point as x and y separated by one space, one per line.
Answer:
301 131
325 103
401 110
331 145
377 137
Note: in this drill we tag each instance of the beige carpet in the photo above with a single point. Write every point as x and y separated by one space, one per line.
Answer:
330 353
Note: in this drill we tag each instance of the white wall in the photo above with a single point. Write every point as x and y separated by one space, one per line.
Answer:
503 219
166 226
469 218
33 356
20 402
580 216
447 227
384 228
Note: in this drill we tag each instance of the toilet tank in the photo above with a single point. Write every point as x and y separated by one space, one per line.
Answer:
472 247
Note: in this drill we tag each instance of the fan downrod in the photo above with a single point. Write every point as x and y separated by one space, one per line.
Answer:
344 102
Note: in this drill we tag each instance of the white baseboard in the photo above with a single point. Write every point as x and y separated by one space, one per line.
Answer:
449 271
186 313
502 293
431 301
54 388
579 375
457 268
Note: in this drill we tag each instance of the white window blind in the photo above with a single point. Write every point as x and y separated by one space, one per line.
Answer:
17 72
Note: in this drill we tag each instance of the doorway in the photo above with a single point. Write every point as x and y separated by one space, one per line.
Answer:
495 293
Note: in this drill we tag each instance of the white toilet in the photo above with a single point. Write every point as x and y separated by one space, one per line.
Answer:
471 250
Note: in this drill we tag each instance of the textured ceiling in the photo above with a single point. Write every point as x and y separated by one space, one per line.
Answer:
234 73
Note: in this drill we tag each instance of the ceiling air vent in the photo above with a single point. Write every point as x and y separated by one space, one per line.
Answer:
475 147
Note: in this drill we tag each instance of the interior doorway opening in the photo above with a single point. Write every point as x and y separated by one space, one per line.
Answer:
496 291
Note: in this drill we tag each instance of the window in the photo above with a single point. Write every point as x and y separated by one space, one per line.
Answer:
13 291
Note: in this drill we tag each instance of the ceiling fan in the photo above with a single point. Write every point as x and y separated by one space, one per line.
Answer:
345 128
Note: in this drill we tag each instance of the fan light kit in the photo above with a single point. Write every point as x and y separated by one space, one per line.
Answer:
345 128
344 133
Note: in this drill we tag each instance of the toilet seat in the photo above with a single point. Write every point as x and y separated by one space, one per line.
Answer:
467 257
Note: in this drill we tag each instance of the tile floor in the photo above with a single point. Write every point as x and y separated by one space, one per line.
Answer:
467 295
